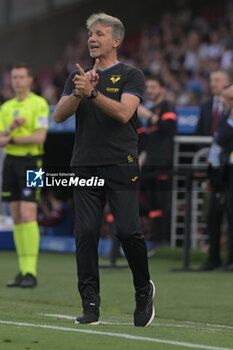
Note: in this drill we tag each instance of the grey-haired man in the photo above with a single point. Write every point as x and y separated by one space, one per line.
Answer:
105 99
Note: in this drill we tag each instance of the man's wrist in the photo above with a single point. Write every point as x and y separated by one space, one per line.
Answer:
11 141
230 121
74 93
153 118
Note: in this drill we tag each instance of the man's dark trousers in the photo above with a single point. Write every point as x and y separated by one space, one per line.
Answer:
217 207
230 214
121 190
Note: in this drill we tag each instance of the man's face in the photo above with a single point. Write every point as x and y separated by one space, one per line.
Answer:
153 90
218 81
100 41
20 79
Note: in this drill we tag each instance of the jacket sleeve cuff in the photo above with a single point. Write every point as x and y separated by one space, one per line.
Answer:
230 122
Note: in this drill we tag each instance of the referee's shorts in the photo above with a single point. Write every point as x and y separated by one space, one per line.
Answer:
14 178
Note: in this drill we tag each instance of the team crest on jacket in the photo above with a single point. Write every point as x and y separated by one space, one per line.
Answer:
130 158
115 78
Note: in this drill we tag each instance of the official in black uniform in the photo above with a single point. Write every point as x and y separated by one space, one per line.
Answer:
105 99
158 158
210 113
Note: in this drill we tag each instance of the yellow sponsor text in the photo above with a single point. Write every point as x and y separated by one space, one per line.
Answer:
112 89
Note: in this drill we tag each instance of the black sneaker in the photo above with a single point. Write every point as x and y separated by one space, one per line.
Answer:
28 281
209 266
16 282
145 312
230 267
89 316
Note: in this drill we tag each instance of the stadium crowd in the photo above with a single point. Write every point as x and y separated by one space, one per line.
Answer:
182 47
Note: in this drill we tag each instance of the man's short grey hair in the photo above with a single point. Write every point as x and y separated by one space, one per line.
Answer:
118 30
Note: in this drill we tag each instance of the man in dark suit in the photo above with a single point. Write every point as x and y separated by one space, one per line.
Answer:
211 110
225 140
208 123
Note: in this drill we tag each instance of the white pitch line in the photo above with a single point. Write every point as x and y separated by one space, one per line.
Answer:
210 324
117 335
66 317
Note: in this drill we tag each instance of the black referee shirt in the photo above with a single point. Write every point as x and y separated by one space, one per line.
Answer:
100 139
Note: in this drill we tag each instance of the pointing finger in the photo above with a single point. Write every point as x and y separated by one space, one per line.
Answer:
96 66
81 71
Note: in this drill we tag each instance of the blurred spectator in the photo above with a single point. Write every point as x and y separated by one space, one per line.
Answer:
55 215
227 55
195 51
215 48
6 92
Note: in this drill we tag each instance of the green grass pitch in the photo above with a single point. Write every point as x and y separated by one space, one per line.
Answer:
194 310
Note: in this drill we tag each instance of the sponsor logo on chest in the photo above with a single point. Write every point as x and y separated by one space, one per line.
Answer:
114 79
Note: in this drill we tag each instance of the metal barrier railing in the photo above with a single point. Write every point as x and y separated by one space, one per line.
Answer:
188 159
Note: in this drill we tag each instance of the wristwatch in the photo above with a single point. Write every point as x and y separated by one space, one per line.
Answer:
94 94
11 141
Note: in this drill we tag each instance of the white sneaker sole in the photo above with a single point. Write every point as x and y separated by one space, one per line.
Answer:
153 312
87 324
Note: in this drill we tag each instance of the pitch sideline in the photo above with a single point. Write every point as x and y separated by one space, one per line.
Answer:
190 324
118 335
